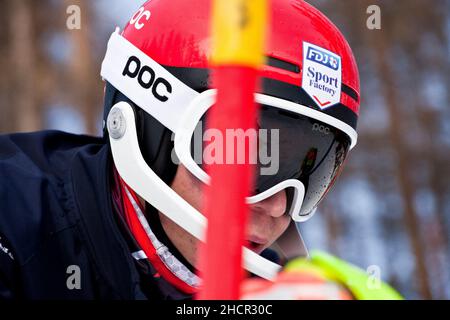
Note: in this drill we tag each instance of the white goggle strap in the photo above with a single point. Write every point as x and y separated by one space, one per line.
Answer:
163 96
137 174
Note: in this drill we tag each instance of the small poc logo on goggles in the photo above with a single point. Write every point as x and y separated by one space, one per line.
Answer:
321 128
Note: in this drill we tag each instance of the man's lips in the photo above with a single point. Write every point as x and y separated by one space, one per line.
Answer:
256 243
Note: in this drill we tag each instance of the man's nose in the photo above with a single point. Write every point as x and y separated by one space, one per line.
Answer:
274 206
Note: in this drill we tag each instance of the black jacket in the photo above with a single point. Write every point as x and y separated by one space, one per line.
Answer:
56 212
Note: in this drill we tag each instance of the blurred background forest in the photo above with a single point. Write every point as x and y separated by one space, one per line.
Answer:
390 208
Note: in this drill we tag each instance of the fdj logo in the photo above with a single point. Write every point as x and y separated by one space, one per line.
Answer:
323 58
147 78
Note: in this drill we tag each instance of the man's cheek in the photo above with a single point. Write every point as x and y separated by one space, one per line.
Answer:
283 225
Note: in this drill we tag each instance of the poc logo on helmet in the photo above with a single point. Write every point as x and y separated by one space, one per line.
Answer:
136 20
147 78
323 58
321 128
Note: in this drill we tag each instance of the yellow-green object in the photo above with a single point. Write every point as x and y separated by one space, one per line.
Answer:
359 283
239 32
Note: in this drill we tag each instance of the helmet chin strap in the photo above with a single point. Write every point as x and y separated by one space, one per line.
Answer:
137 174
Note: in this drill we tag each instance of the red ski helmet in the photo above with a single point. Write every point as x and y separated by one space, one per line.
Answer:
157 75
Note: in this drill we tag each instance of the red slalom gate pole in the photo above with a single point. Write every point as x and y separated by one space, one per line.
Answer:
239 34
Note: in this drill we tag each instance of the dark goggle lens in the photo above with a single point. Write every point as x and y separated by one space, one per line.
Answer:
309 150
289 146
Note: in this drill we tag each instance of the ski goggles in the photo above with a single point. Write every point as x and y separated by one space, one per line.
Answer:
305 153
311 145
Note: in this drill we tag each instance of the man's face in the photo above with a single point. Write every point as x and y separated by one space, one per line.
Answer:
266 223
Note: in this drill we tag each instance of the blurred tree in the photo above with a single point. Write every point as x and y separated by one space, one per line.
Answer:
21 88
36 71
405 83
83 76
